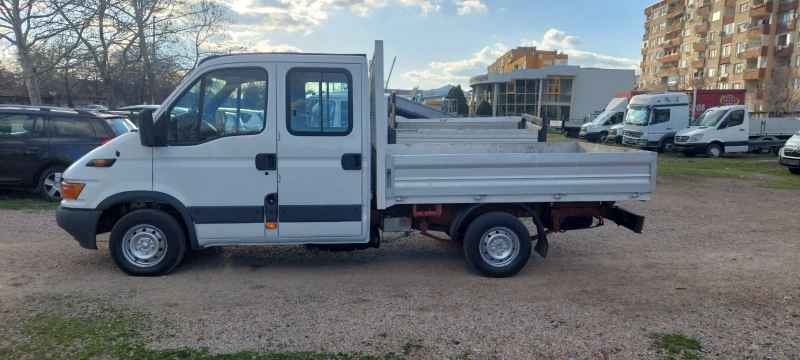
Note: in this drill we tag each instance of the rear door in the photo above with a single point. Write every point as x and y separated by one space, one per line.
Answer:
320 154
733 132
23 142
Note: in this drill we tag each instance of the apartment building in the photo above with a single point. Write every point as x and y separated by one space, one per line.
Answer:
523 58
720 44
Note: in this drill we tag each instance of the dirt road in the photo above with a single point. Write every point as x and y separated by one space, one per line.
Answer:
719 262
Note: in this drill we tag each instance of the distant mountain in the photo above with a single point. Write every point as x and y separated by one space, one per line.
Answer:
442 91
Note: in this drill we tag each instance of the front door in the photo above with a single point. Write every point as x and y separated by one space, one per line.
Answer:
220 157
23 140
733 132
320 154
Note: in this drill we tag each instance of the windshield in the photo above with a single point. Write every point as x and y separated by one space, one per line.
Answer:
121 125
710 118
637 115
603 117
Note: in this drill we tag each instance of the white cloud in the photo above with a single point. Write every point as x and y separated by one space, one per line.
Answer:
425 5
469 6
456 72
555 39
266 46
295 15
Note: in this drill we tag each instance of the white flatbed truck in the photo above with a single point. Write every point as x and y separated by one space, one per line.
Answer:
308 176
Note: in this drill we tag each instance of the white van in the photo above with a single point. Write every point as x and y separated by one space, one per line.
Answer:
654 119
599 128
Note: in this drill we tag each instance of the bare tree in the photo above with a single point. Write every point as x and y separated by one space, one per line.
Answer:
205 22
29 24
782 91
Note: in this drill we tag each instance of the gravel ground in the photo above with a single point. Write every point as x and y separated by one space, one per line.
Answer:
719 261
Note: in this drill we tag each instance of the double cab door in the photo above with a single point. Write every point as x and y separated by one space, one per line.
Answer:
267 153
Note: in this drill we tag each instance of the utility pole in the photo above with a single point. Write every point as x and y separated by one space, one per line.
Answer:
153 63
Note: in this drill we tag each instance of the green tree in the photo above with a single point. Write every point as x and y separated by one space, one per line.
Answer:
457 93
484 109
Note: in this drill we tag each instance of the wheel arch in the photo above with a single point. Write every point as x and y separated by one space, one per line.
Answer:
542 245
41 169
165 202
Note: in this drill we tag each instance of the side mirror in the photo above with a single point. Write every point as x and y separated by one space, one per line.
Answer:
146 135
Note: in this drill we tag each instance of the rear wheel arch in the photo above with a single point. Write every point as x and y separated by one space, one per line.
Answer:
473 211
158 200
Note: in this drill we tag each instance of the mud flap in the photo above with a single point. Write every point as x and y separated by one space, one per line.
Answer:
542 246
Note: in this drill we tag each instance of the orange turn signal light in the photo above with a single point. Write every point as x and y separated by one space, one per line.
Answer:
271 226
101 162
70 191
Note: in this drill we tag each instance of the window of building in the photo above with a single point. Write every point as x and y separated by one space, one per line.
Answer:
744 7
743 27
741 47
21 126
713 35
682 63
687 32
664 11
320 102
711 72
682 79
72 127
715 16
689 16
686 48
797 61
726 50
738 68
727 29
723 69
784 40
644 45
737 86
796 83
712 54
221 103
662 26
786 17
672 79
660 116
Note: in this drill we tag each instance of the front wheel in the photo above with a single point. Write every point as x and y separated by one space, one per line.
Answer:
795 171
667 146
714 151
147 242
602 138
497 245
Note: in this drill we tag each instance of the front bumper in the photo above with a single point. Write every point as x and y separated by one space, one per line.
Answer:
80 223
789 162
690 148
640 143
590 136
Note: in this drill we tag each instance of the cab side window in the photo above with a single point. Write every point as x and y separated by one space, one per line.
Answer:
319 102
735 118
14 126
221 103
660 116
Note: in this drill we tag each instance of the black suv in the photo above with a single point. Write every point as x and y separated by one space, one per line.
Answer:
38 143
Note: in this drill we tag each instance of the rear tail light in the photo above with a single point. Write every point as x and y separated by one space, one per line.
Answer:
106 141
71 191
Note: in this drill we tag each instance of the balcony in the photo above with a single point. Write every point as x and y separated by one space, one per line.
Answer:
757 30
756 95
724 60
726 39
668 71
672 42
700 46
643 65
755 52
670 58
701 28
646 36
699 63
787 5
786 27
761 10
784 51
704 7
644 51
728 20
677 26
730 2
755 74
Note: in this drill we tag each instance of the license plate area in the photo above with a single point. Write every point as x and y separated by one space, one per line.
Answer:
791 162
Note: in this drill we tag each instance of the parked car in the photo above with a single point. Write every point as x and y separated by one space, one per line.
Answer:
38 143
615 134
132 112
94 107
790 154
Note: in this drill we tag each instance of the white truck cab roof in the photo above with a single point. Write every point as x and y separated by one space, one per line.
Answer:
617 104
660 99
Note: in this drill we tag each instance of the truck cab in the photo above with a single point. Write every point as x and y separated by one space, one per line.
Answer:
653 120
599 128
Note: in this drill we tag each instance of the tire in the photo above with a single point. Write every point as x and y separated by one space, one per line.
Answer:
764 151
602 138
161 241
795 171
497 245
714 151
689 155
667 146
48 188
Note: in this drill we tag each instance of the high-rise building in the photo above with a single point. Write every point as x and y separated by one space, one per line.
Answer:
721 44
523 58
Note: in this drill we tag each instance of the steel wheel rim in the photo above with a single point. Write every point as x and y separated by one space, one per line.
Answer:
51 187
144 245
715 152
499 246
669 146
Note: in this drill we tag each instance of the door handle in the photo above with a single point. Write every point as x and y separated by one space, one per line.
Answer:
669 128
267 162
31 151
351 161
741 129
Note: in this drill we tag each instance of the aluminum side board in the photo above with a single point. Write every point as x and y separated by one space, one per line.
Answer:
514 172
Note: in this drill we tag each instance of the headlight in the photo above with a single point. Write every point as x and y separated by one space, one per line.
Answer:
696 138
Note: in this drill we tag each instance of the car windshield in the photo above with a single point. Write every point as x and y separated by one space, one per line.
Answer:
637 115
121 125
602 117
710 118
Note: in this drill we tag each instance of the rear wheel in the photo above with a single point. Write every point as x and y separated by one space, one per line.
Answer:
497 245
795 171
147 242
49 186
714 151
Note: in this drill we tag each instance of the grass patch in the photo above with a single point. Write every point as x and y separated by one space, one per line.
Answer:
25 201
676 346
111 334
409 347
